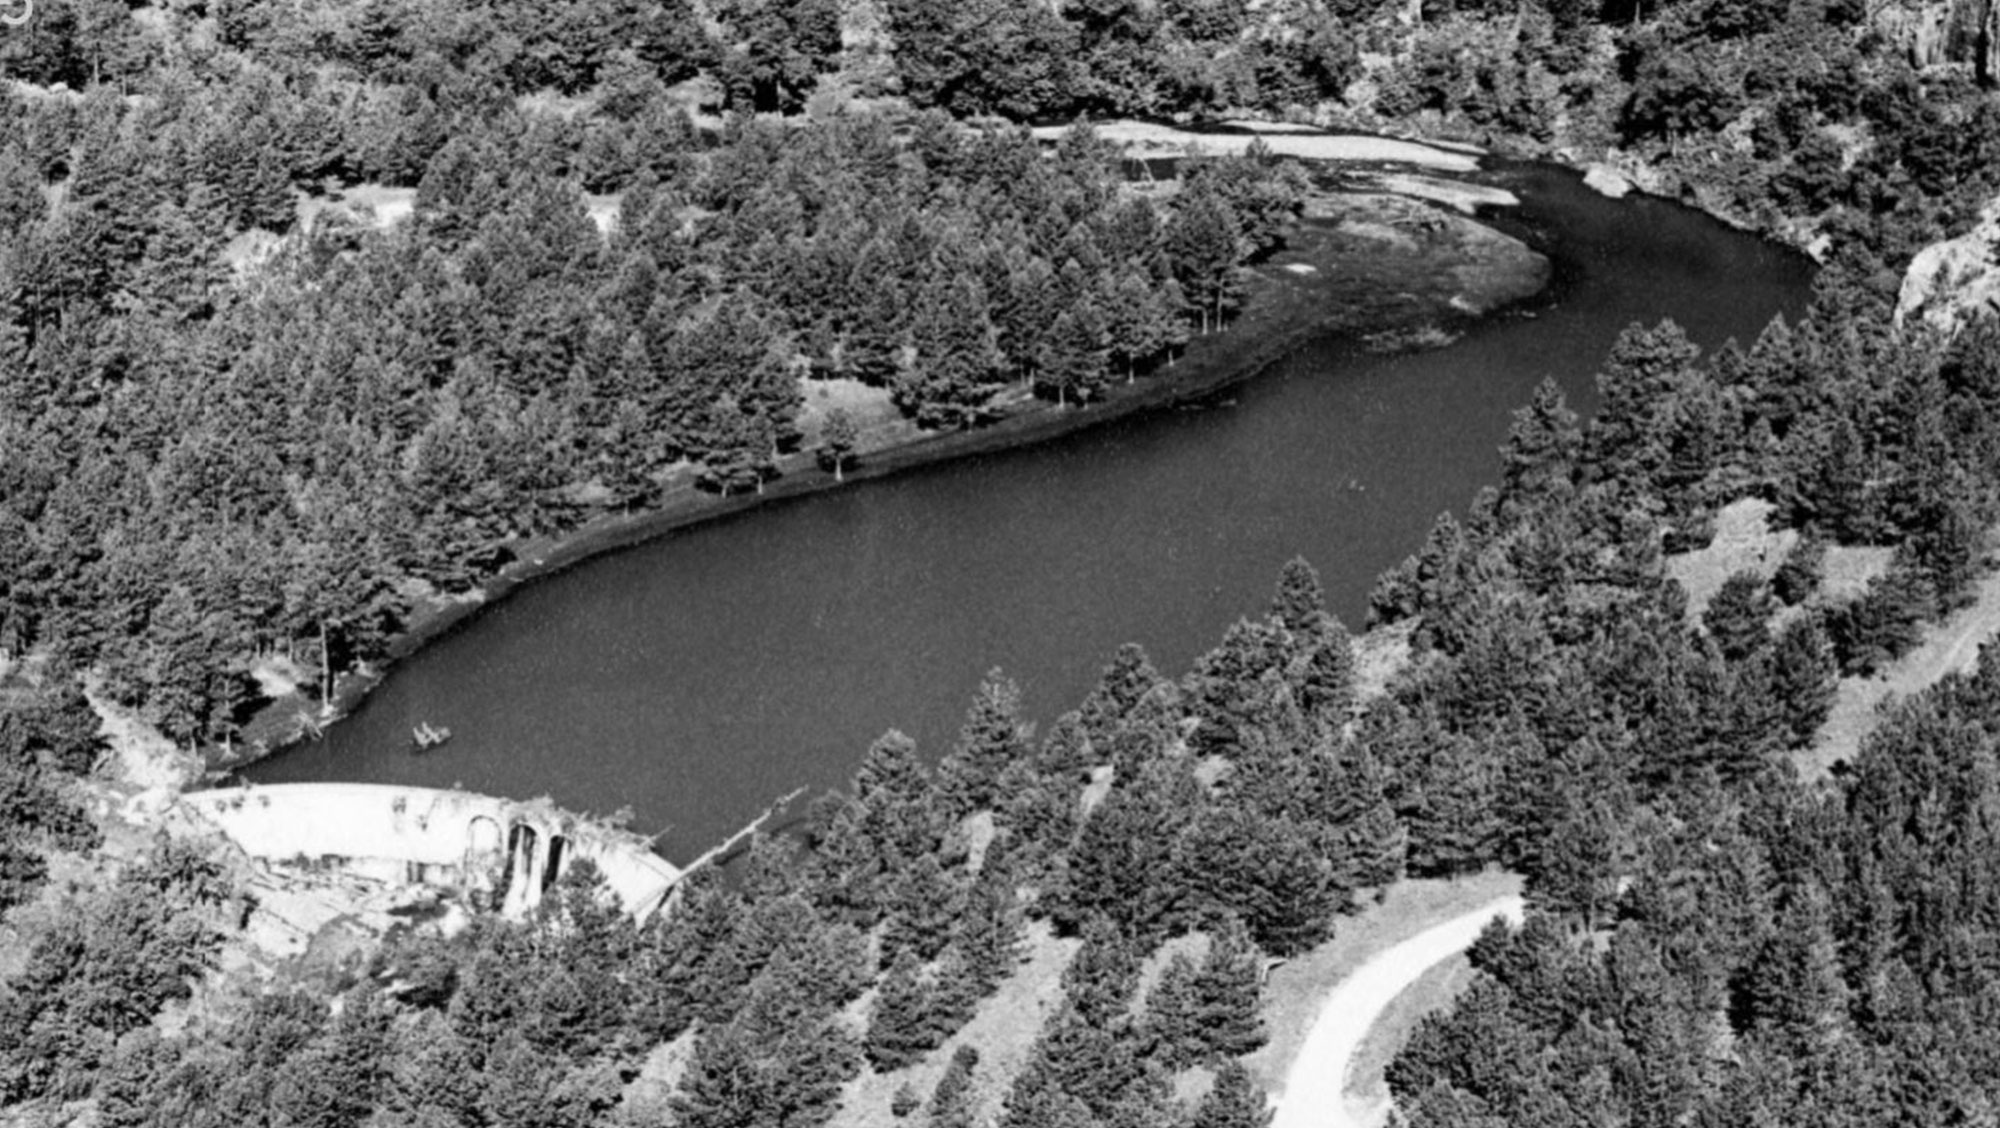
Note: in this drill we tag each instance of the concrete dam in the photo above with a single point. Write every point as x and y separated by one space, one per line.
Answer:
422 836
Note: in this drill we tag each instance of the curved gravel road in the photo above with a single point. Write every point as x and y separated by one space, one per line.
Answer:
1314 1095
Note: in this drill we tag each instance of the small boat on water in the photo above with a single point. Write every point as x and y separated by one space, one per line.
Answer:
428 736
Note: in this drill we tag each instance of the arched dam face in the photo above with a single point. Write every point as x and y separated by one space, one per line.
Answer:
697 677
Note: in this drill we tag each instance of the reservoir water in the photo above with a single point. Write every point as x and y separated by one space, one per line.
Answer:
695 678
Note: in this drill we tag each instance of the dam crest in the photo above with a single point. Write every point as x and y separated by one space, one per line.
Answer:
507 851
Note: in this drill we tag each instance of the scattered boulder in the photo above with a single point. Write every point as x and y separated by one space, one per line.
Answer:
1608 181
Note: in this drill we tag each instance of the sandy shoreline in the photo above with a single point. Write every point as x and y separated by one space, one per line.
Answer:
1146 139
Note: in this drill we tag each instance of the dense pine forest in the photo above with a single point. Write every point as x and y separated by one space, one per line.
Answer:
208 458
207 467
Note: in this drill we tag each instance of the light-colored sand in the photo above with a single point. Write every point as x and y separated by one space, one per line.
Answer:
1161 140
1467 198
1315 1093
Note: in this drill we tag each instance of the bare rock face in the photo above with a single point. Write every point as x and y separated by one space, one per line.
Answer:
1952 281
1947 31
1919 31
1972 35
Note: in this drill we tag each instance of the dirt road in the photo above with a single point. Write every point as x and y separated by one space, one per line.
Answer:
1315 1089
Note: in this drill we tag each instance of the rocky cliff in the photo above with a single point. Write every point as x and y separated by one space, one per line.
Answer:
1966 32
1972 35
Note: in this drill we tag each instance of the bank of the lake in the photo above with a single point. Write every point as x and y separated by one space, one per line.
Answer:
1398 270
698 676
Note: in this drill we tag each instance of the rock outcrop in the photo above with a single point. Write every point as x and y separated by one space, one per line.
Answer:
1954 31
1950 282
1972 35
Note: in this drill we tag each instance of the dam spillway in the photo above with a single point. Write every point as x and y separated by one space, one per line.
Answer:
472 843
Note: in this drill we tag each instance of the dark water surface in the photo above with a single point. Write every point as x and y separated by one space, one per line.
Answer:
698 677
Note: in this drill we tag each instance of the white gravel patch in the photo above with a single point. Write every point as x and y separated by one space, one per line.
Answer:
1166 140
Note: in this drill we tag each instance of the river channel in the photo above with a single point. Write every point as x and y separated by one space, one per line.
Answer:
696 677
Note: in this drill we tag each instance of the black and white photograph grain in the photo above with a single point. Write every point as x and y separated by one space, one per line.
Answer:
999 563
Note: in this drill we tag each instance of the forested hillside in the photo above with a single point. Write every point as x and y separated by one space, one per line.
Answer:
203 469
202 464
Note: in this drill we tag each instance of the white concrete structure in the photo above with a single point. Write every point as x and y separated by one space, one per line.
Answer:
414 835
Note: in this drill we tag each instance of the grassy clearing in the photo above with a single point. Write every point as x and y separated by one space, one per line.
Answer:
1744 542
1950 646
1296 989
374 205
869 407
1003 1031
1379 656
1849 568
646 1096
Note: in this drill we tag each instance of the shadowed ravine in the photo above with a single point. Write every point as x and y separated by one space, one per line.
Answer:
699 676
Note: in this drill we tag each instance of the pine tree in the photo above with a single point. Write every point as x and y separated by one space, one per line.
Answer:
1125 862
1626 439
954 364
952 1100
1266 871
899 1030
1226 688
989 931
1322 676
1078 1058
1169 1025
1299 598
1577 874
838 438
1100 980
1376 847
1540 455
1233 1102
1209 1011
992 738
1447 805
1128 678
924 900
1799 576
1802 678
1137 322
1070 362
1738 617
1794 989
1202 240
1066 754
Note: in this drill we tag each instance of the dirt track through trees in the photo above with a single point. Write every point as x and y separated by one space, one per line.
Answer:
1950 646
1315 1094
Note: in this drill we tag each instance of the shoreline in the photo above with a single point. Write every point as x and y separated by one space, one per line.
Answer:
1338 277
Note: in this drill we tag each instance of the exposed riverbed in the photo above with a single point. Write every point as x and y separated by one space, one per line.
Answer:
697 676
